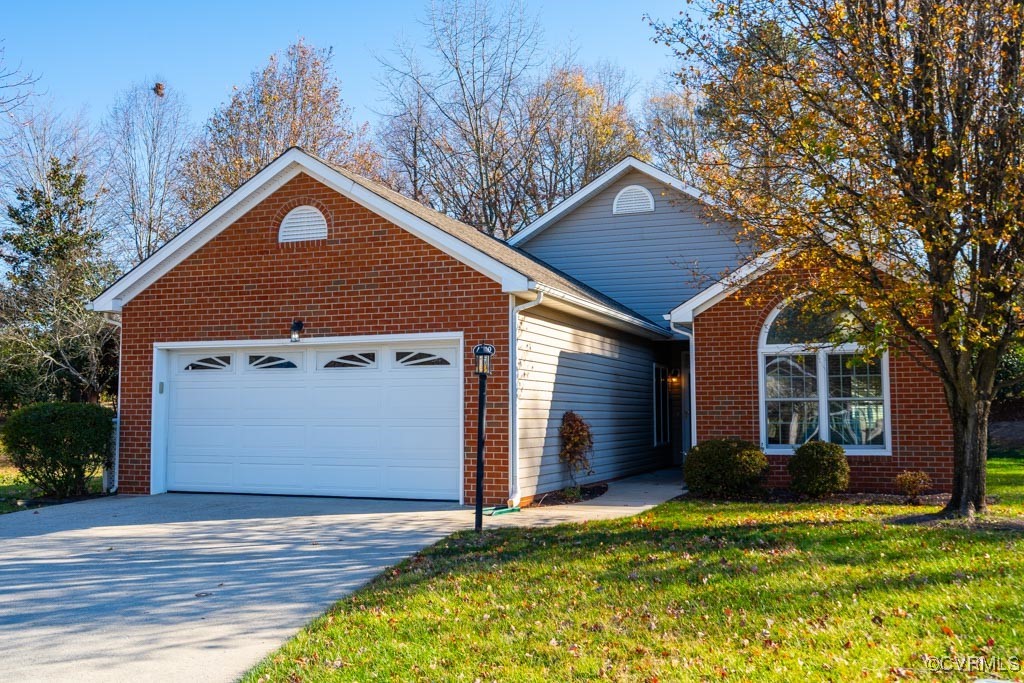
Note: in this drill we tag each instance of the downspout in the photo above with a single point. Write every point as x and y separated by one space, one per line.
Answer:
110 319
693 377
514 496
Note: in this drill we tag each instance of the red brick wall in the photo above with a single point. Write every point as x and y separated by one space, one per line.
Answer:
726 339
368 277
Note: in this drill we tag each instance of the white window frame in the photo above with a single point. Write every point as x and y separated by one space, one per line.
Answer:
662 428
821 353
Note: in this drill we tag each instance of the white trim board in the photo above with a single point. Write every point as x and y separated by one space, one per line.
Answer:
163 371
273 177
601 182
685 312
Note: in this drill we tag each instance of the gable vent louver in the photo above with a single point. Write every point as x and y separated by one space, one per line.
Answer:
633 199
303 223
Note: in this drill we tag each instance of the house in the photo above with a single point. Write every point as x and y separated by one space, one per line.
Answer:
608 305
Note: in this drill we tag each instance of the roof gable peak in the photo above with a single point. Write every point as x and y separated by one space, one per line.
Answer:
598 184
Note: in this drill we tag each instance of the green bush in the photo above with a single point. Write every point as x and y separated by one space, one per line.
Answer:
58 446
724 467
912 484
819 469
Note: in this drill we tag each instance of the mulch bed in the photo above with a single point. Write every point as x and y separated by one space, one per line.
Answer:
787 496
588 492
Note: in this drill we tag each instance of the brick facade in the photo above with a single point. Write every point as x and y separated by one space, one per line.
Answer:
368 277
726 342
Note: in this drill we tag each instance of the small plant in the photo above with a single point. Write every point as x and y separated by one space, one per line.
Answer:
58 447
577 444
572 494
912 484
819 468
724 467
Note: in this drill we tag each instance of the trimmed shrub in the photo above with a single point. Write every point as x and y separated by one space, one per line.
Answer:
577 443
721 468
912 484
57 447
819 468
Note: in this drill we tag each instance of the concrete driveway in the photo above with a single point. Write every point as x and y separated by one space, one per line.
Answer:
187 586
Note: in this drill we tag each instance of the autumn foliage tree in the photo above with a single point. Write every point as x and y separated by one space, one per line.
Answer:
295 100
483 127
584 127
875 150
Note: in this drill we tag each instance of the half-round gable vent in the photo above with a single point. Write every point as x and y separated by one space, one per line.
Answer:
303 223
633 199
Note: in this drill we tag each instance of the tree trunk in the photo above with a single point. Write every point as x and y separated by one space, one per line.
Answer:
970 451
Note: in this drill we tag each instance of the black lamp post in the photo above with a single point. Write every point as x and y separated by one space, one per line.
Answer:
483 353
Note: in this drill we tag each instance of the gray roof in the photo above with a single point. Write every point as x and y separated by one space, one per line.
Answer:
516 259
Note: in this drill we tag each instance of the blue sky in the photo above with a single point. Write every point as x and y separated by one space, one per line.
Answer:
86 52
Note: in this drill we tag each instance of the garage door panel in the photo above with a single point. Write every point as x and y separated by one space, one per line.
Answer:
271 402
258 476
421 439
272 436
405 481
421 399
199 473
350 436
184 435
348 479
202 399
354 401
383 431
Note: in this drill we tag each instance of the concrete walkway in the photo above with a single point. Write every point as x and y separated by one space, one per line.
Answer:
624 497
200 587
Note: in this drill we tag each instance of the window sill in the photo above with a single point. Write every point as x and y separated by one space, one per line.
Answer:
883 452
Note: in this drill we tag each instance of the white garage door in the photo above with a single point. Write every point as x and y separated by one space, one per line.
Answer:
373 421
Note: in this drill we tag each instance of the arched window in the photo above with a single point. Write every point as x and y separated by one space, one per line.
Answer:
633 199
301 224
809 368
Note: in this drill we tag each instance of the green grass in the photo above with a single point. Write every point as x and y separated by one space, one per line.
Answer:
14 488
689 591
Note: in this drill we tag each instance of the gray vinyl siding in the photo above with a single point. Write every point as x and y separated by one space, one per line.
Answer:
605 376
651 262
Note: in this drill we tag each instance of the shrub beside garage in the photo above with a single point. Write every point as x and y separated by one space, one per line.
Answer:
58 447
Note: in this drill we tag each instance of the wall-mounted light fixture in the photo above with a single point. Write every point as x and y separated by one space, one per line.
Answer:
296 330
674 375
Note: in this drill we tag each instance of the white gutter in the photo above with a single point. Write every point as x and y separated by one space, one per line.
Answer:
605 311
693 377
514 496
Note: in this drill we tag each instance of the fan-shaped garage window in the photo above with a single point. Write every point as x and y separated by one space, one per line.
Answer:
419 358
301 224
209 363
352 360
633 199
263 362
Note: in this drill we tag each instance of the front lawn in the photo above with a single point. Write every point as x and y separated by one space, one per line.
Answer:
690 591
14 488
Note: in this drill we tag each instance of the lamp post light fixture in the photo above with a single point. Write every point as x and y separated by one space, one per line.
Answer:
296 329
483 353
